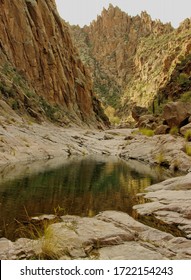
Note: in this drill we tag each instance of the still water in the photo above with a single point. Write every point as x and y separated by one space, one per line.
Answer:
80 186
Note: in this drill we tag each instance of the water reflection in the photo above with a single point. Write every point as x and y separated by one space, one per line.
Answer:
81 186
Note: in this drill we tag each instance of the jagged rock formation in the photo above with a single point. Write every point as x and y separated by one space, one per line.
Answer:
131 58
41 72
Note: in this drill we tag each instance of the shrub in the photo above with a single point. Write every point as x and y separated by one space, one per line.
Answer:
161 160
146 132
174 130
111 114
156 106
186 96
187 149
50 247
51 111
183 79
187 135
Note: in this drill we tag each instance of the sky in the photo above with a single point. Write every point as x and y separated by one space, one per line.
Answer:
82 12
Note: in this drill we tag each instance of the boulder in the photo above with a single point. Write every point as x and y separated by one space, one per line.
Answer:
138 111
147 121
162 129
177 113
6 247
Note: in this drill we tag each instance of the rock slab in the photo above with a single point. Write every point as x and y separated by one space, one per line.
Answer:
109 235
170 202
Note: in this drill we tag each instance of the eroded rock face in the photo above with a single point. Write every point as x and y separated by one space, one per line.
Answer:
159 60
109 235
180 81
133 58
36 42
108 46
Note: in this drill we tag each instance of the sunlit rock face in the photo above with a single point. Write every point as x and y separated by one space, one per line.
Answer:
36 42
131 58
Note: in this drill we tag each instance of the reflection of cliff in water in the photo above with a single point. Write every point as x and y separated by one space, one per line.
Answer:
80 186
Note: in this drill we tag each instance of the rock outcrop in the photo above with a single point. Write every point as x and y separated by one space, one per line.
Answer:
108 46
108 236
138 111
156 59
132 58
179 84
176 114
170 151
170 202
41 71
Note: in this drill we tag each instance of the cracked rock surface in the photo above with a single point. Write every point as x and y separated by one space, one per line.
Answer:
109 235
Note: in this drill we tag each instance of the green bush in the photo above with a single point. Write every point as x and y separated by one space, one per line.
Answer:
51 111
187 149
187 135
183 79
161 160
146 132
186 96
174 130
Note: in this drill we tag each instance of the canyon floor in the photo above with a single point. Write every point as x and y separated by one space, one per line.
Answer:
109 235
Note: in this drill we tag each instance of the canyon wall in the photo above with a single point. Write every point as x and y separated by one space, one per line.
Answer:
131 58
41 71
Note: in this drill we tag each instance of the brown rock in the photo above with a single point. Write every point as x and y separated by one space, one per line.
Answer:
129 251
109 47
162 129
37 43
147 121
135 57
6 247
176 113
138 111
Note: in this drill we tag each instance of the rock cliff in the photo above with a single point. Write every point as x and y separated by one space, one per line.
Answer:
156 61
41 72
131 58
